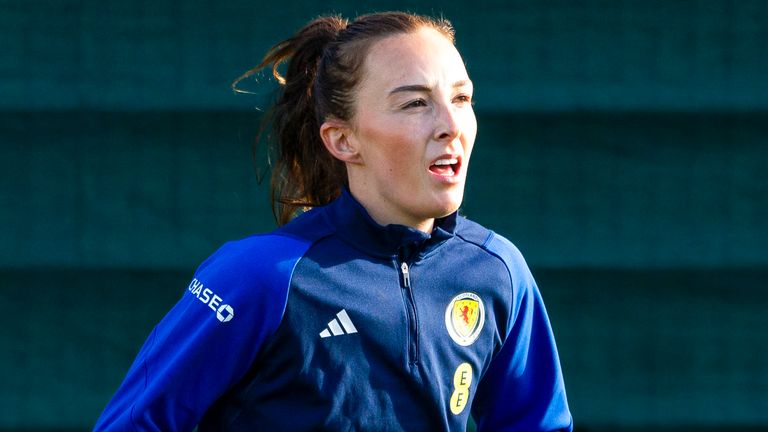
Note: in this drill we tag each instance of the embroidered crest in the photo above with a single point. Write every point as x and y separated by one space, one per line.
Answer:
464 318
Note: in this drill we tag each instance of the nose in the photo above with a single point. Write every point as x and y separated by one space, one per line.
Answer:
447 127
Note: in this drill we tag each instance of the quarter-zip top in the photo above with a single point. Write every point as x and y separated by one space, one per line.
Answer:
334 322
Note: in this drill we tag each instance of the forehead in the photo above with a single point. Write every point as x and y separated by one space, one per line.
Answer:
422 57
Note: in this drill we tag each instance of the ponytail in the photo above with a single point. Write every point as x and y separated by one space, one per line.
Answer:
304 173
324 62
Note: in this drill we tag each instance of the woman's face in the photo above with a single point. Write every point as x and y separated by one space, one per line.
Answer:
413 128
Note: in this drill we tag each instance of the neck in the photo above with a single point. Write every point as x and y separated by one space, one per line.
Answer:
426 226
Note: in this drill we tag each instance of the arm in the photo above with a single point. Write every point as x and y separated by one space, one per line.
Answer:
523 388
208 341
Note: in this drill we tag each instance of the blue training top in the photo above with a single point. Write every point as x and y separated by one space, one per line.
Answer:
336 323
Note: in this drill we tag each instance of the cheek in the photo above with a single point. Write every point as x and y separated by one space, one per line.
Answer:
399 158
470 128
469 133
390 150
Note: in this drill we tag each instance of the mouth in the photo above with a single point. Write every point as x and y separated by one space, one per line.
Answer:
446 166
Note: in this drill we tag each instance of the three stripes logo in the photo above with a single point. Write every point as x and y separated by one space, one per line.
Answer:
336 329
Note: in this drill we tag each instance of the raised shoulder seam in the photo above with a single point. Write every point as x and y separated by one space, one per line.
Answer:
473 232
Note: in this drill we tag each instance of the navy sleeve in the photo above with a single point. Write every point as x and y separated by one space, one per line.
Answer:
207 342
523 388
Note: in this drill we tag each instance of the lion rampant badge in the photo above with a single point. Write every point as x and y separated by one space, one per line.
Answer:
464 318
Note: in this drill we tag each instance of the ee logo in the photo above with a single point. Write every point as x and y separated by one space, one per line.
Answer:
462 379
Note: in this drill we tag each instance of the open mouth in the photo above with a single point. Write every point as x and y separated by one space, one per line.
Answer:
446 166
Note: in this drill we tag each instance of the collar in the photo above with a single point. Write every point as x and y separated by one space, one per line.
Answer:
356 227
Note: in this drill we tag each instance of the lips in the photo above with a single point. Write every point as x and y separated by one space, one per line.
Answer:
446 166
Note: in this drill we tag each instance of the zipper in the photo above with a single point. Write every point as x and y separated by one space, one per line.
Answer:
406 275
410 306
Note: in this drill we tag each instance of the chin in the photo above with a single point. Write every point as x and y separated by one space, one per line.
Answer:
448 205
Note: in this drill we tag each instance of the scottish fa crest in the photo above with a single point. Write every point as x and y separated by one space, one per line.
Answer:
464 318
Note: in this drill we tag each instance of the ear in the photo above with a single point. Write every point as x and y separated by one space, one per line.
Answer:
336 136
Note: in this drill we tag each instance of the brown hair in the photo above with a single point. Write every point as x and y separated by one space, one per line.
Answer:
325 61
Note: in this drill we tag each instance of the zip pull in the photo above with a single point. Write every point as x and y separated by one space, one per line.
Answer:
406 276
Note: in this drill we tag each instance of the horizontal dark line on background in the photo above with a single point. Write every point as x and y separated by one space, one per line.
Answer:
565 270
480 111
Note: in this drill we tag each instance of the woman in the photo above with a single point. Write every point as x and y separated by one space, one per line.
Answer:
380 308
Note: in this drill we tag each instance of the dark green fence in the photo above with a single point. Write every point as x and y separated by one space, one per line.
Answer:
622 145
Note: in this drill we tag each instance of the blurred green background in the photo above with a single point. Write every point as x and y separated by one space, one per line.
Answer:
622 146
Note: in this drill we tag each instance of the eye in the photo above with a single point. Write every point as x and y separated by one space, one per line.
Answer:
415 104
463 99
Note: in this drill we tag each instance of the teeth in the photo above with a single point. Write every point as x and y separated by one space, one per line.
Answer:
447 161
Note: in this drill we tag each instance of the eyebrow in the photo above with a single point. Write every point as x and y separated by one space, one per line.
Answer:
424 88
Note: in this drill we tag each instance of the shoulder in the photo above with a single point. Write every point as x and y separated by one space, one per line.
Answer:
263 261
262 252
499 248
492 243
241 271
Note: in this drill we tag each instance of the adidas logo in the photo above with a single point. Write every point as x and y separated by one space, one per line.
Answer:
336 329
